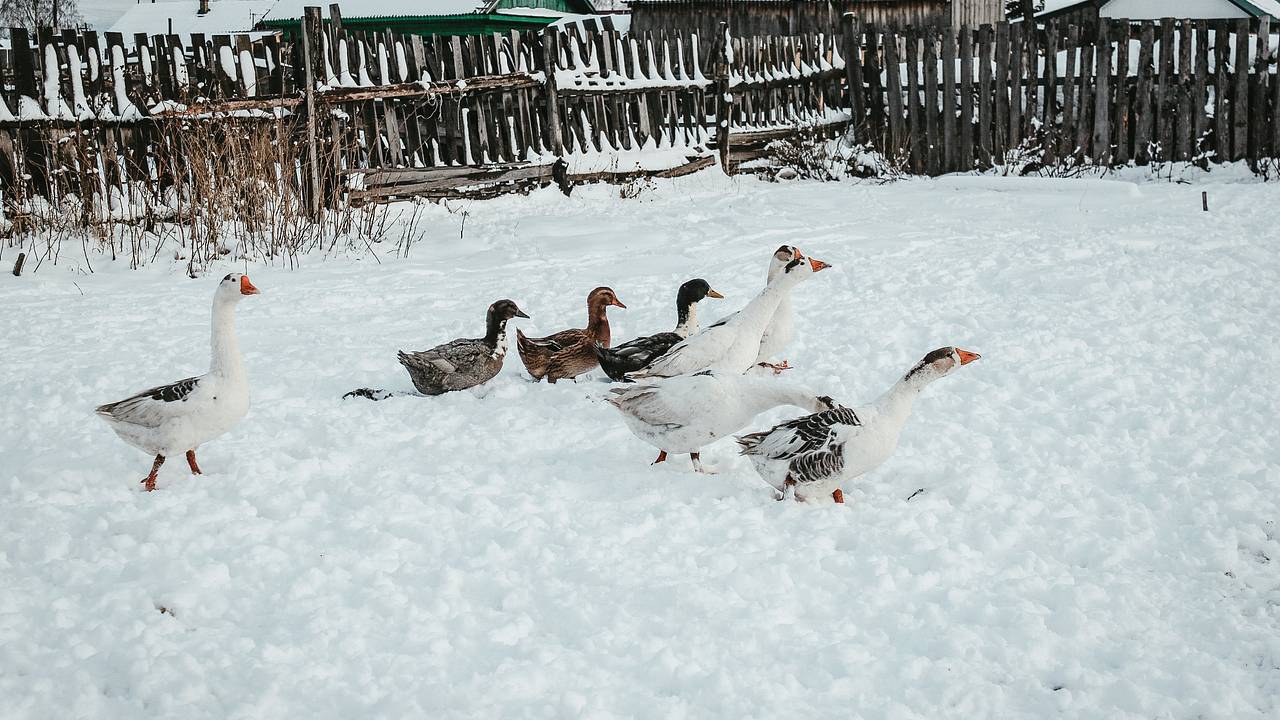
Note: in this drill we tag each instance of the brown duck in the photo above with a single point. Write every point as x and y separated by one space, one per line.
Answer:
569 353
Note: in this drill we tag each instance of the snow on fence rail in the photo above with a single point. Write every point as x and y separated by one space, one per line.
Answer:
1105 93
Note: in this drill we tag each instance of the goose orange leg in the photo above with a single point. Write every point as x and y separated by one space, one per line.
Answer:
838 496
191 460
149 482
662 457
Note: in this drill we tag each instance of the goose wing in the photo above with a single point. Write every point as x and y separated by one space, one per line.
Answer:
692 354
151 408
803 436
673 403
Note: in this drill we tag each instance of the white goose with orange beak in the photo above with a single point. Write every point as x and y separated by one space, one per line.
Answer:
733 344
812 456
181 416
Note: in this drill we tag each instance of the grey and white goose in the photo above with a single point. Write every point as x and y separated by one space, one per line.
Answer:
637 354
814 455
458 364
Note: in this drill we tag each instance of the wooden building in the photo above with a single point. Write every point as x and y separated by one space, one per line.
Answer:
428 17
771 17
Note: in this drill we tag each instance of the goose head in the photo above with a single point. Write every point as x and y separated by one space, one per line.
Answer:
234 287
603 297
781 257
799 270
504 310
939 363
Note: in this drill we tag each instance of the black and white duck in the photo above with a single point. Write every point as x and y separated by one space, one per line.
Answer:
637 354
465 362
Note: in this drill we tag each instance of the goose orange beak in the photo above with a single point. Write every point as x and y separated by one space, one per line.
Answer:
797 255
246 287
818 265
714 294
967 357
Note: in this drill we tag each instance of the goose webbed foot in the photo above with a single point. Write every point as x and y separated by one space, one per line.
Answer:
149 482
838 496
662 457
191 460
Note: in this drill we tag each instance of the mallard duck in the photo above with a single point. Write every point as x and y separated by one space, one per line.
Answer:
182 416
733 345
813 455
569 353
777 335
463 363
685 413
636 354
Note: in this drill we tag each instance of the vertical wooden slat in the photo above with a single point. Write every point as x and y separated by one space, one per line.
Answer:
853 75
1102 98
551 63
1185 131
986 100
1259 140
1121 117
1084 109
1144 122
1200 97
871 74
1222 90
950 142
1240 92
965 158
1067 140
1002 85
1165 93
893 72
1049 107
933 137
1017 48
915 111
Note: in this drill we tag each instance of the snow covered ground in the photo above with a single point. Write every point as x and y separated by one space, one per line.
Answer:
1096 537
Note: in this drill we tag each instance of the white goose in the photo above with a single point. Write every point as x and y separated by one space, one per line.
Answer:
733 344
181 416
813 455
683 414
781 326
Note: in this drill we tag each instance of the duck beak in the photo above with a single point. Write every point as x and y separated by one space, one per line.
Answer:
618 303
246 287
818 265
714 294
520 313
967 357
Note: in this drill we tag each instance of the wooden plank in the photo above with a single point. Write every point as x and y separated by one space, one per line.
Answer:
932 130
871 74
950 141
1121 117
550 59
1275 114
1185 131
1067 146
1102 98
1031 66
1166 94
986 103
311 28
1200 93
1240 92
1084 110
915 110
1017 47
1049 113
1144 122
1259 137
897 121
1002 92
1222 90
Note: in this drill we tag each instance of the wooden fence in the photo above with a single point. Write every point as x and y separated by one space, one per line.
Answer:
345 116
1107 93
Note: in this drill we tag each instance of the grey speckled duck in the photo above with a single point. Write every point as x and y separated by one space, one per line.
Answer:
463 363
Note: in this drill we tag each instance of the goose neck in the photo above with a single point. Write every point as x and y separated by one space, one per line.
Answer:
225 346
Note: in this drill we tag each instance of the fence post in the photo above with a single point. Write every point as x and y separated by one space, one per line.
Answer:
550 63
724 101
310 46
852 30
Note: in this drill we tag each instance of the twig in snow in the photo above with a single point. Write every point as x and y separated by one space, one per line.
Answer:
915 494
